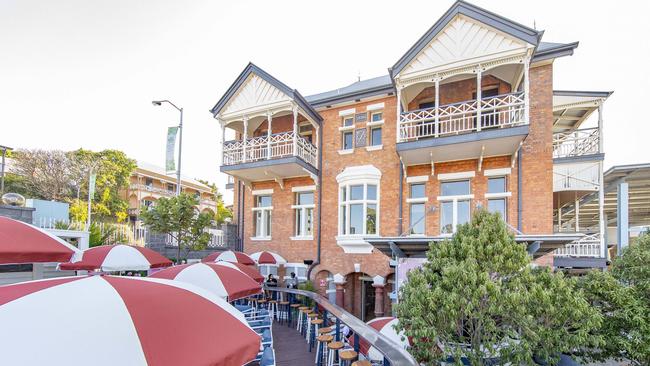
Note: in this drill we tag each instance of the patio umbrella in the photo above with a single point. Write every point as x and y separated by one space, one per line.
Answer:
384 326
248 270
229 256
24 243
268 258
120 257
228 283
112 320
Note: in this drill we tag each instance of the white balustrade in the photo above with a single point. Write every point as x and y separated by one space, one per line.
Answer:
257 148
496 112
576 143
586 247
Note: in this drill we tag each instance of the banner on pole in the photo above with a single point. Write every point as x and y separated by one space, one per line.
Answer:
91 185
170 161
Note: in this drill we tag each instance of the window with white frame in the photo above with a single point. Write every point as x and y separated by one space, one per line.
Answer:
358 209
267 269
417 200
300 269
347 142
375 136
348 121
304 214
455 198
262 216
376 116
497 196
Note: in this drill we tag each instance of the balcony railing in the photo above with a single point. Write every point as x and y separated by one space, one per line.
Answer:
576 177
144 187
278 145
496 112
586 247
576 143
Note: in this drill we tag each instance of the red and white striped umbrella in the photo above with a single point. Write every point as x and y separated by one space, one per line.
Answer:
25 243
120 257
386 327
229 256
228 283
268 258
248 270
120 321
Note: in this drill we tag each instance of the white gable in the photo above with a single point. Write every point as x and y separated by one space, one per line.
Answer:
463 41
254 94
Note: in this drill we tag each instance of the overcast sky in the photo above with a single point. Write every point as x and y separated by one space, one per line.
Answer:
83 73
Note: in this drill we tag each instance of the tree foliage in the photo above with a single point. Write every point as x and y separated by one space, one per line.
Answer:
223 212
178 217
477 298
46 174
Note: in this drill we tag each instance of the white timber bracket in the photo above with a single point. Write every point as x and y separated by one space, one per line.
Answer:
480 159
513 160
279 180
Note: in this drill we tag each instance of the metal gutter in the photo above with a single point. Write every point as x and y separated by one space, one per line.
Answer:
320 204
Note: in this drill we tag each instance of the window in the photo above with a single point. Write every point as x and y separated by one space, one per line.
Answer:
454 205
262 216
376 116
375 136
358 209
171 187
148 182
348 121
417 199
304 208
305 131
347 140
148 204
267 269
299 269
497 196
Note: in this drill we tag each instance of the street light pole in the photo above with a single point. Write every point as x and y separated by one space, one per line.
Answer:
2 172
180 141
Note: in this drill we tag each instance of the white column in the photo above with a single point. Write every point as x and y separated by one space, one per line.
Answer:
316 139
601 143
622 227
601 209
479 74
295 130
577 215
244 142
269 118
437 105
526 90
223 141
398 108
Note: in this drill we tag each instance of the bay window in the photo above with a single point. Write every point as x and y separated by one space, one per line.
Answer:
304 215
262 216
455 198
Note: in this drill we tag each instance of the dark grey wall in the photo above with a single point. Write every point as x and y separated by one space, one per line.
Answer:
23 214
157 242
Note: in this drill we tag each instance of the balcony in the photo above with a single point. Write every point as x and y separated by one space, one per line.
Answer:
586 252
434 134
576 143
277 156
151 189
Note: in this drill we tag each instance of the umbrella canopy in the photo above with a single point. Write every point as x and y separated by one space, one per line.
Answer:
229 256
268 258
25 243
248 270
228 283
120 321
118 257
386 327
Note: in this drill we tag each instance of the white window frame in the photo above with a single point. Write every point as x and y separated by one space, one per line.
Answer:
345 118
265 210
302 226
293 267
418 200
265 269
343 149
346 202
499 195
378 122
370 142
455 199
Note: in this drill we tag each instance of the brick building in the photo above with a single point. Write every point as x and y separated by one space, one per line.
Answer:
348 183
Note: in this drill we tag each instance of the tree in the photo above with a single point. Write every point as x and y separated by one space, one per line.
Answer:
46 174
477 298
223 212
178 217
622 296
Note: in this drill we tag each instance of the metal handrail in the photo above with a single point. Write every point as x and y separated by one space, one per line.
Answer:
393 352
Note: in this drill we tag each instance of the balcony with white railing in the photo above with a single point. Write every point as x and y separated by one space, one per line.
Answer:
151 189
500 111
576 143
585 252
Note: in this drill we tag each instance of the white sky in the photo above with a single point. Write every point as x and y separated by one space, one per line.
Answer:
82 73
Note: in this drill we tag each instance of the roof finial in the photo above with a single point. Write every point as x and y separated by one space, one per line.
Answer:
534 24
359 76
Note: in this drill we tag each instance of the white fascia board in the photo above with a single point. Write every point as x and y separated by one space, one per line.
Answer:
497 172
459 175
303 189
417 179
347 112
375 107
259 192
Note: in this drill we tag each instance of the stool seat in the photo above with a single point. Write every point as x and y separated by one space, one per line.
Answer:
262 301
273 301
335 345
325 338
303 307
317 321
312 315
324 330
362 363
347 355
284 302
295 305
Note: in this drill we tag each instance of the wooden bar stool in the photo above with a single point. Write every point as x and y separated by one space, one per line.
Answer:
347 356
273 309
325 330
323 340
283 308
295 313
362 363
332 351
311 315
301 318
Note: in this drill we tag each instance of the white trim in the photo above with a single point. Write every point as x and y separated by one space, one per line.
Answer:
262 208
375 123
346 152
458 197
496 172
417 200
374 147
311 205
498 195
374 107
417 179
354 244
303 189
347 128
459 175
262 192
301 238
261 238
359 174
347 112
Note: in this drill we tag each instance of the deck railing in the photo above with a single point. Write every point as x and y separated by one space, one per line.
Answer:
576 143
586 247
278 145
152 189
393 353
496 112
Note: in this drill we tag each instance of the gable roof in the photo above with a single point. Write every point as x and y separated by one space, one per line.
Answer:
496 21
253 69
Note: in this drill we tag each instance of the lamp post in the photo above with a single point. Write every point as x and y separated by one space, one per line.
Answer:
2 172
180 141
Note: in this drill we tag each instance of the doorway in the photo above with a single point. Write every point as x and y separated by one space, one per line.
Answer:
367 299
